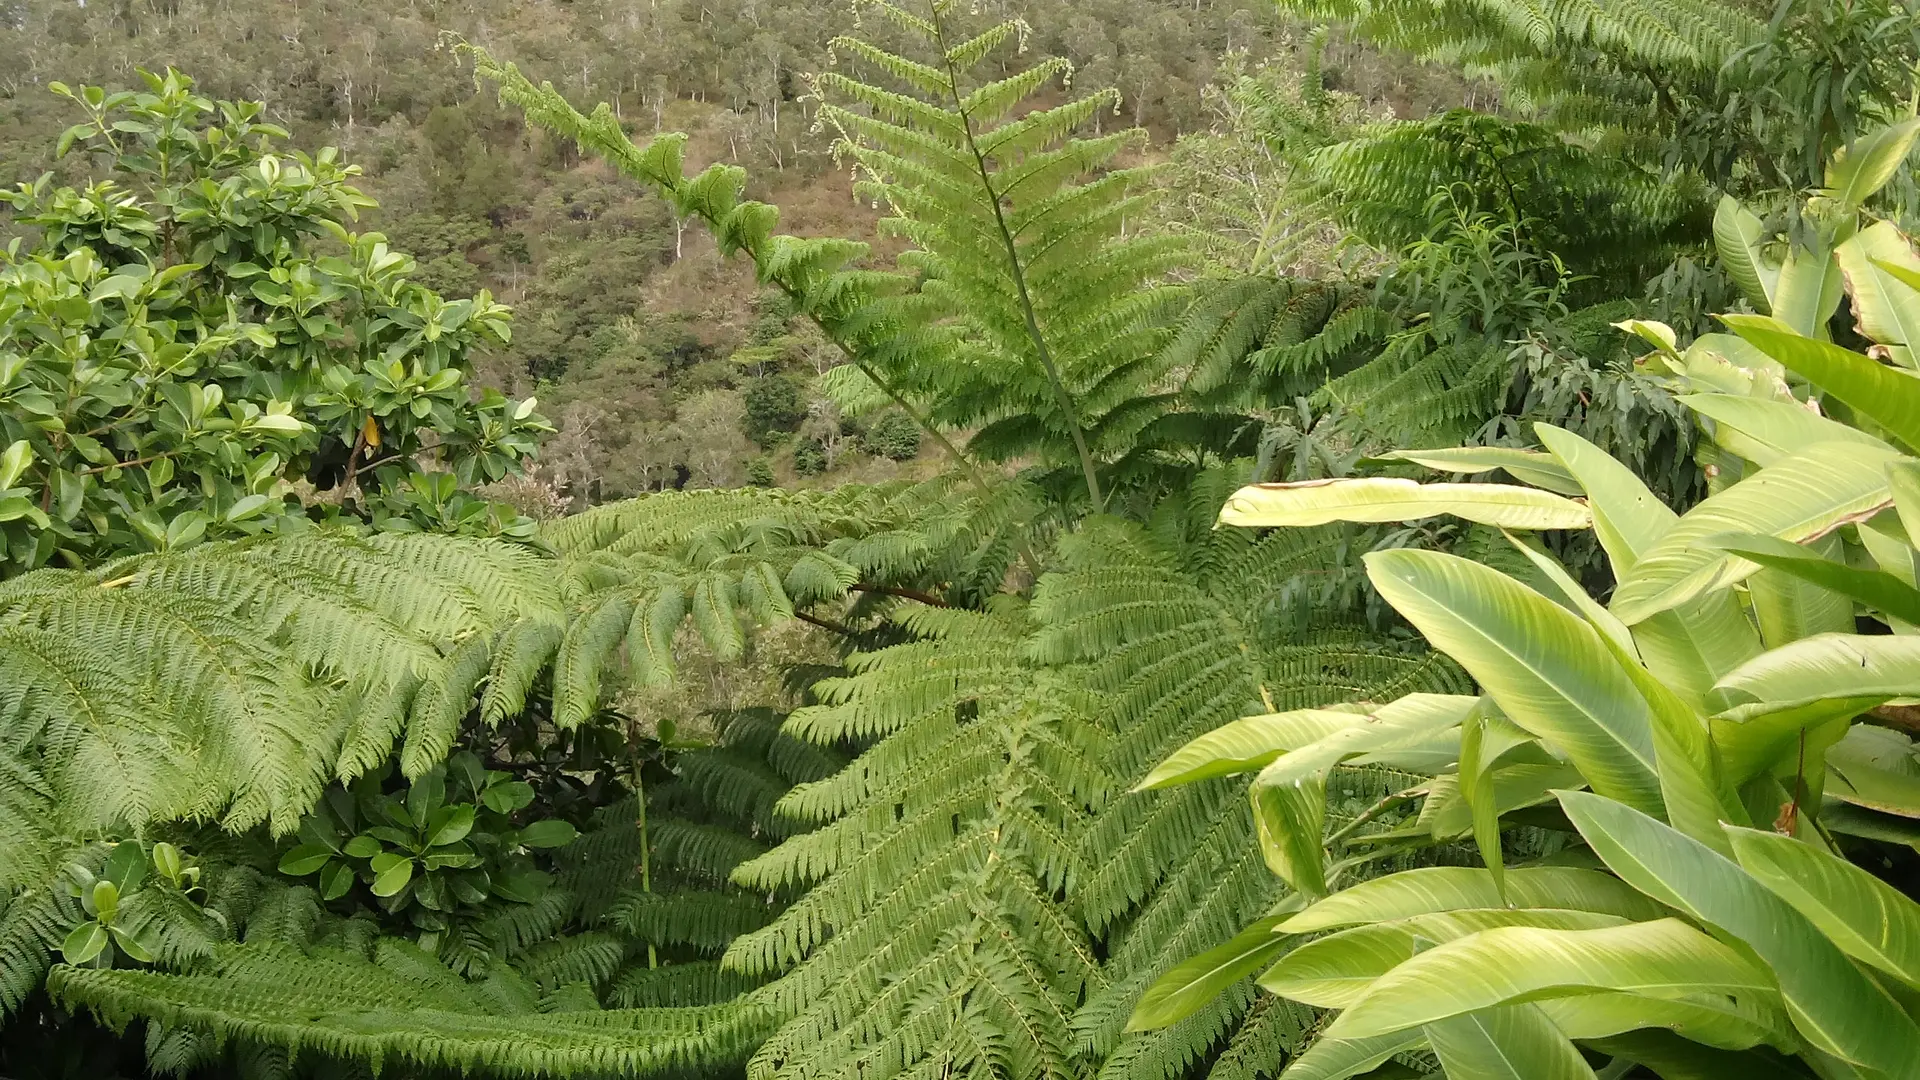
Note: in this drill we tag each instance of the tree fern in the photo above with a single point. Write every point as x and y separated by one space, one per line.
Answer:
1018 231
1183 628
1587 65
234 682
401 1005
934 879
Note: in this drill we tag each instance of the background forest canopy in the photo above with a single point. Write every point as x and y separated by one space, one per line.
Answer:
1298 539
659 363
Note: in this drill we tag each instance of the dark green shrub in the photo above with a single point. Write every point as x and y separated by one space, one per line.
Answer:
894 435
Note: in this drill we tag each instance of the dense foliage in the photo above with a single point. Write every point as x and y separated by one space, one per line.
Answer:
184 343
1605 772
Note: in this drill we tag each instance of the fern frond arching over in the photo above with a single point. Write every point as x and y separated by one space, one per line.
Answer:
1580 66
234 681
401 1006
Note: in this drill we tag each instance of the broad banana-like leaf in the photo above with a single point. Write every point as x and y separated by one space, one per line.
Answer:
1483 738
1385 499
1693 786
1410 720
1876 769
1870 920
1863 166
1858 668
1189 985
1834 1005
1663 958
1335 972
1574 598
1447 813
1789 608
1247 744
1289 795
1847 819
1627 517
1738 238
1764 430
1799 497
1527 466
1787 740
1254 742
1903 479
1337 1059
1509 1042
1454 888
1674 1058
1544 666
1726 364
1696 643
1709 1018
1657 334
1876 589
1888 309
1289 820
1809 289
1888 396
1887 544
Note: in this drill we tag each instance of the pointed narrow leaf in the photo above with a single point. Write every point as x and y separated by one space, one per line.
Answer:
449 825
1662 958
1738 238
1289 820
1764 430
1509 1042
1867 668
1832 1003
1335 972
1543 665
1870 920
1452 888
1877 589
305 859
85 942
1694 644
1799 497
551 833
1383 499
1245 745
1887 395
1337 1059
1863 166
393 877
1709 1018
1189 985
1527 466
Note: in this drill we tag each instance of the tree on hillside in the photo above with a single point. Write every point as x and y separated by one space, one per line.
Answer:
206 349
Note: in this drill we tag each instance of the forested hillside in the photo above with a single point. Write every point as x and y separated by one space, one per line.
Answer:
928 540
659 364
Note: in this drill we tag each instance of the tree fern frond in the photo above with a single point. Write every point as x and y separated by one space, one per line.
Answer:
345 1006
